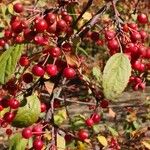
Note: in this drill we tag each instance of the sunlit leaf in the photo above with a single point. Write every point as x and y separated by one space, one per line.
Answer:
102 140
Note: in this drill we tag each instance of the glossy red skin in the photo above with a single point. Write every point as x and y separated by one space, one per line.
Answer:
27 133
18 7
69 73
38 144
142 18
83 135
38 71
51 70
89 122
41 25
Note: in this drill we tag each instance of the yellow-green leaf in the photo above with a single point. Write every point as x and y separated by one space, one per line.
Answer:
61 144
8 62
28 114
102 140
116 75
16 142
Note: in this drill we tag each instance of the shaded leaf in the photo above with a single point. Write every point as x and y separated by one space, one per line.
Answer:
102 140
116 75
8 62
97 73
113 131
16 142
28 114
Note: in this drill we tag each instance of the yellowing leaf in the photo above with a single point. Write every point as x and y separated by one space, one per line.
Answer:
47 135
49 86
146 144
102 140
72 60
61 144
87 16
81 146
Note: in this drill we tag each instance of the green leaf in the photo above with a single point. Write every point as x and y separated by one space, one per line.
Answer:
113 131
116 75
60 117
16 142
97 73
28 114
8 62
96 128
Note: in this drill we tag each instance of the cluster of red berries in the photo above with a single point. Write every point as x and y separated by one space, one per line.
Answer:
36 131
114 144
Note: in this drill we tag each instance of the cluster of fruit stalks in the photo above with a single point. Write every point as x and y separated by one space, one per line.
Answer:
50 26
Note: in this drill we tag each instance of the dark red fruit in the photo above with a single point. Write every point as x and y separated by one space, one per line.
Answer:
50 18
61 25
27 133
56 104
24 61
113 44
19 39
55 52
8 34
8 132
52 28
67 47
9 117
38 144
38 70
144 35
41 25
39 39
16 26
68 138
13 103
89 122
1 108
135 36
131 48
95 36
37 130
18 8
43 107
96 118
27 78
137 65
109 34
133 26
147 53
69 73
2 43
68 19
142 86
142 18
104 103
100 42
51 69
83 135
142 50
